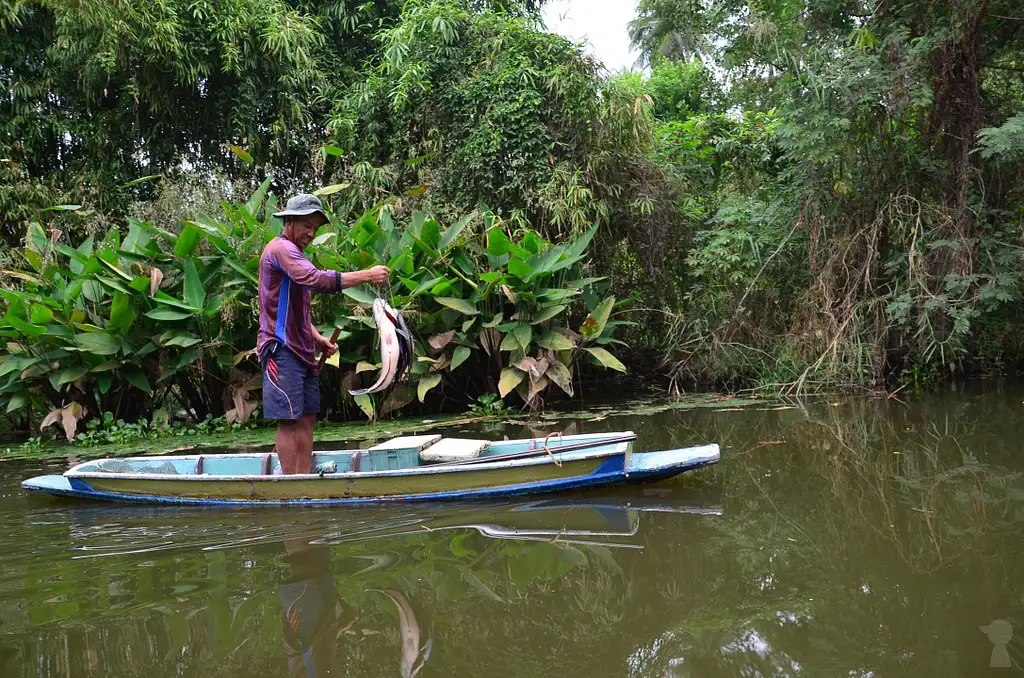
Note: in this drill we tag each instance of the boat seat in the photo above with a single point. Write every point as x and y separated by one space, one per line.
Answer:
454 449
418 443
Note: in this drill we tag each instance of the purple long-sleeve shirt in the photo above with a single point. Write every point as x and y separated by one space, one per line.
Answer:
286 278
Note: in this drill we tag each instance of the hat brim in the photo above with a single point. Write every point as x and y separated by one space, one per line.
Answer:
302 213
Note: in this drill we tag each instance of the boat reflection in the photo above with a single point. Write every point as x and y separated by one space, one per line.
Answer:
606 519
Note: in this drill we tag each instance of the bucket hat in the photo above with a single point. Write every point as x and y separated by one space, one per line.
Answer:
301 205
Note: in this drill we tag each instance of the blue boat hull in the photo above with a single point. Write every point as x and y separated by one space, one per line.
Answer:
615 470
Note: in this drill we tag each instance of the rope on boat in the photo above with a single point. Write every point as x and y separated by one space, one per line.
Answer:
548 449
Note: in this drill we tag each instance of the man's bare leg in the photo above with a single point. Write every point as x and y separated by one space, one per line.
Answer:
304 448
288 441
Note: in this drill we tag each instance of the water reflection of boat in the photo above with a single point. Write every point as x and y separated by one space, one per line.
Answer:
605 518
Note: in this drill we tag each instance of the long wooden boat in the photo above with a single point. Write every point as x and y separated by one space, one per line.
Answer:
410 468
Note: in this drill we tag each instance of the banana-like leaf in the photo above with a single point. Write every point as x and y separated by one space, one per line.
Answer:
510 378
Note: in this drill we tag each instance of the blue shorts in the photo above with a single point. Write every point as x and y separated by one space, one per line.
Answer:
290 387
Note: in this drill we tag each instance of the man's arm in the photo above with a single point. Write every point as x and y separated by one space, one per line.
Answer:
289 260
297 267
378 275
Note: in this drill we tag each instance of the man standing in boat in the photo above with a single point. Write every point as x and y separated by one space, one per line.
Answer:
287 341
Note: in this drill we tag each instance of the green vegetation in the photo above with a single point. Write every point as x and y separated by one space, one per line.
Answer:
792 199
133 326
857 213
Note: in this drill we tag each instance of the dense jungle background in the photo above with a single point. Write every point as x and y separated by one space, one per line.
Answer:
788 196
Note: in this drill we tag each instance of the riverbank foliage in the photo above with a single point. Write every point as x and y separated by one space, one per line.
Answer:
789 198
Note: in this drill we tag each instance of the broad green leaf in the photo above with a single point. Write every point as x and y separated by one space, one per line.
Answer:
195 295
17 401
39 238
426 383
497 242
559 373
163 313
61 377
241 153
460 305
579 246
491 277
459 356
122 315
547 313
107 366
165 298
136 240
62 208
555 341
531 243
121 274
442 288
16 364
140 180
166 236
331 190
545 262
27 329
365 404
510 378
40 315
460 259
519 268
136 378
417 288
467 324
187 241
104 381
78 267
256 199
360 294
523 334
98 343
34 260
595 322
113 284
451 233
606 358
322 238
93 291
495 321
178 338
330 149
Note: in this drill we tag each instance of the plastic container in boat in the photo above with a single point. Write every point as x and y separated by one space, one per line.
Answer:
391 460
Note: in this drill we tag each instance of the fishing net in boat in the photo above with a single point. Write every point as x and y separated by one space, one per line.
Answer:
136 466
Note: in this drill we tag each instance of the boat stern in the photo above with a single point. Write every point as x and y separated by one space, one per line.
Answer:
51 484
653 463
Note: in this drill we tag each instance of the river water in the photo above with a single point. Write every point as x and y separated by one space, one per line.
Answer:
851 537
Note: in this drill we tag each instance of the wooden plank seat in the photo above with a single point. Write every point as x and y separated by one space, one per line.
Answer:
454 449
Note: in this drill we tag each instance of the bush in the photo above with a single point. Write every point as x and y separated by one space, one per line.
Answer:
156 319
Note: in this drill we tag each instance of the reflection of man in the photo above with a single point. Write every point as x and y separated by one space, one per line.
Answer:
1000 633
311 611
